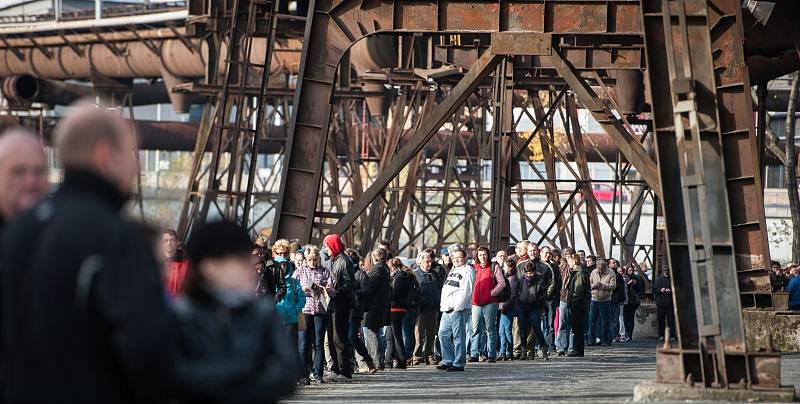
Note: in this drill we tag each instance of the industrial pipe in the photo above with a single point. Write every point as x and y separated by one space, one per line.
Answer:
132 58
26 89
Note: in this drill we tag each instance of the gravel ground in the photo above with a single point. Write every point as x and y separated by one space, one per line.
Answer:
606 374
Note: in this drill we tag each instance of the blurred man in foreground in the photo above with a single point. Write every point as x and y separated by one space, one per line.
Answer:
83 307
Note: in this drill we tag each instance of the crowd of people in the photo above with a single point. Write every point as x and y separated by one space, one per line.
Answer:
350 314
786 279
98 308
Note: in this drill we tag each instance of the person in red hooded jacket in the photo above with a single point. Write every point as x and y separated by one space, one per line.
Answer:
488 284
342 303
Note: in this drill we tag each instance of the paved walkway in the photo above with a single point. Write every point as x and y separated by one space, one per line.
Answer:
606 374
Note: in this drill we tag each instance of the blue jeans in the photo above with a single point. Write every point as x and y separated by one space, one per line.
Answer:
484 318
548 312
314 334
453 338
409 339
613 323
532 316
564 327
599 313
506 332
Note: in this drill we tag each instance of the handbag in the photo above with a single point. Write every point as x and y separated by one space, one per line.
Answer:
301 321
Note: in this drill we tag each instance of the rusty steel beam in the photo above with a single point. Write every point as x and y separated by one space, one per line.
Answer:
627 143
711 351
438 116
586 187
332 28
741 151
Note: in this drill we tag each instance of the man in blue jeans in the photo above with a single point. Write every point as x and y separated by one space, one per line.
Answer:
455 305
564 313
603 281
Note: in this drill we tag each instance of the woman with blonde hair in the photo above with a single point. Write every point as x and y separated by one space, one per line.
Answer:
315 281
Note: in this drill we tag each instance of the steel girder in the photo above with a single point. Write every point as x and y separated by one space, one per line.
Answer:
333 26
690 143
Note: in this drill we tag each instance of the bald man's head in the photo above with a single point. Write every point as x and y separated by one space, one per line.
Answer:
23 172
100 141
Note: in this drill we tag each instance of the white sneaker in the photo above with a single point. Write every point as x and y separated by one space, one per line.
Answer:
341 379
328 377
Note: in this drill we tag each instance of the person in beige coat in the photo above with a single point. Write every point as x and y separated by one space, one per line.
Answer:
603 281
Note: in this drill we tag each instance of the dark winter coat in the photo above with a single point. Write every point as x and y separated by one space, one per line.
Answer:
344 282
82 289
635 290
618 295
533 291
557 281
513 302
662 299
430 285
577 289
363 293
401 290
232 355
272 281
378 314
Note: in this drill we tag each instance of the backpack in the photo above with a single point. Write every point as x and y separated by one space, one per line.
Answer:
504 294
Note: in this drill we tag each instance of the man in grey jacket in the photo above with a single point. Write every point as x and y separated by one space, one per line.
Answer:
455 306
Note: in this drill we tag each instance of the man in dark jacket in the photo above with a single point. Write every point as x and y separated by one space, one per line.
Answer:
532 298
343 301
378 312
81 284
428 318
23 178
577 287
551 304
617 299
662 291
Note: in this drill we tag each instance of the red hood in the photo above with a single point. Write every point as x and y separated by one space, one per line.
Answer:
334 244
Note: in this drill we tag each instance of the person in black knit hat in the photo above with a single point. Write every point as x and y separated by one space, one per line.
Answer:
241 356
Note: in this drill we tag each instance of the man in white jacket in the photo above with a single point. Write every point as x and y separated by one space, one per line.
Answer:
456 305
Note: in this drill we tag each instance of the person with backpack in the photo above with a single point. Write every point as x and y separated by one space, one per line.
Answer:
364 295
401 302
577 287
489 283
532 297
617 300
430 286
377 314
634 286
509 310
291 304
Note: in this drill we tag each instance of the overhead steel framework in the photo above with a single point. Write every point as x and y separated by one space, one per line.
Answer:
422 146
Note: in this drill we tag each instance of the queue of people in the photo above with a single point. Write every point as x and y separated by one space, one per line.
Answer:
368 314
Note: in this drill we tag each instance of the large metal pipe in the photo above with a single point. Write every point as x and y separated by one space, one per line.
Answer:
129 58
26 89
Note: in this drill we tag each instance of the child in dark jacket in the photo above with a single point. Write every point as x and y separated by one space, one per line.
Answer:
508 311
